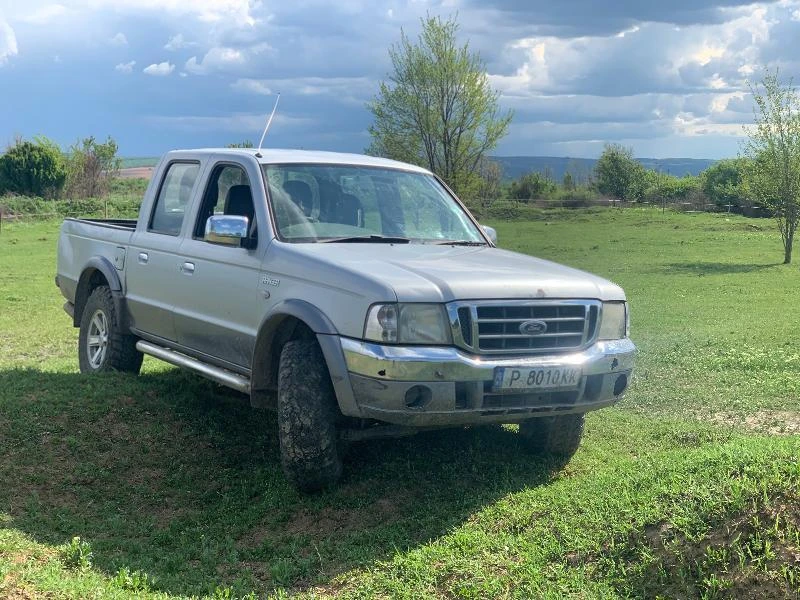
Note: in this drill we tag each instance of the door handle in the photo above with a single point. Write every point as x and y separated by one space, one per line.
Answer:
187 268
143 258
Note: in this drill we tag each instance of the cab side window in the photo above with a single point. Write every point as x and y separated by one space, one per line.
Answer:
173 198
228 193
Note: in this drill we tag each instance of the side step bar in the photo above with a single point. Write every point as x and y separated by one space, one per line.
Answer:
221 376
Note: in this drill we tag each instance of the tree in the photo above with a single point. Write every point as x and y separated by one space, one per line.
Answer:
568 181
723 182
618 174
33 168
91 166
773 146
242 144
491 179
437 109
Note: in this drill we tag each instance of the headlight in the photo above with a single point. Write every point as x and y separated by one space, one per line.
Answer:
408 324
615 323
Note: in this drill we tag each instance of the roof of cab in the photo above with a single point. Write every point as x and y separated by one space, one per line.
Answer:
284 156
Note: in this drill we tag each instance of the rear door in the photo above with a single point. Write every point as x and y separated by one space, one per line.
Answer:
153 264
220 301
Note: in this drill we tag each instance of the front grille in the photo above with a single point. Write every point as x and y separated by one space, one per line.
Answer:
498 327
466 324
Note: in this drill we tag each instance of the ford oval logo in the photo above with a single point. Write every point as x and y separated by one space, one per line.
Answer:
532 328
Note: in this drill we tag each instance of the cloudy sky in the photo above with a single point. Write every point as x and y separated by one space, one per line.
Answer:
667 78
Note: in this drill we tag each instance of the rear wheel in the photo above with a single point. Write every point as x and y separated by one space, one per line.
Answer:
557 436
102 345
307 416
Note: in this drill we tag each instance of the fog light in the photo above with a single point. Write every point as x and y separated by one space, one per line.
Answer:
620 384
418 396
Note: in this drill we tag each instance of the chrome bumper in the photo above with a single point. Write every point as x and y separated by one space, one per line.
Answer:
436 386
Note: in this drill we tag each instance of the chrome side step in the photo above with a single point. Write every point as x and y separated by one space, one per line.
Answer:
221 376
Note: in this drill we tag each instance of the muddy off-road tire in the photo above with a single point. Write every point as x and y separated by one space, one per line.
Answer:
102 345
557 437
307 416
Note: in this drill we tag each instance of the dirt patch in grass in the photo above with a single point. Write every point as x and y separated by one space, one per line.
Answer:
17 593
326 522
330 521
752 555
773 422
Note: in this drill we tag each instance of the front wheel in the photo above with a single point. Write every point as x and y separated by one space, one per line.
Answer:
102 345
307 416
557 436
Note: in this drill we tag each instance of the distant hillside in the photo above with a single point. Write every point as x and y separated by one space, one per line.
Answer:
516 166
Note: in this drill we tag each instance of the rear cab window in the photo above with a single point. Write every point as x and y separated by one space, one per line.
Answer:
174 196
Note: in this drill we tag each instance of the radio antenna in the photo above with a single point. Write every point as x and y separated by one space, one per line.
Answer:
269 122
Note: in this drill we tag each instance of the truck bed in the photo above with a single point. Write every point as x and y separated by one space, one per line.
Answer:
124 223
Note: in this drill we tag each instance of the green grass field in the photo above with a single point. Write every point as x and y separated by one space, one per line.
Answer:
688 488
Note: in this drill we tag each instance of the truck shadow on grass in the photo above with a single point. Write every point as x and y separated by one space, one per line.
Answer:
173 476
715 268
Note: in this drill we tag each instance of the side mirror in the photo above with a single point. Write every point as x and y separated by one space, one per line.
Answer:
228 230
490 233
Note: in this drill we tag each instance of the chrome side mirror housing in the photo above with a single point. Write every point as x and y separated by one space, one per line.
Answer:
228 230
491 233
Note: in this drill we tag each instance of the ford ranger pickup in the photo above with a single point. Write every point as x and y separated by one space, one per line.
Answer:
355 295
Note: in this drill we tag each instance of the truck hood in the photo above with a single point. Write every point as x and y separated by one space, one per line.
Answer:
430 273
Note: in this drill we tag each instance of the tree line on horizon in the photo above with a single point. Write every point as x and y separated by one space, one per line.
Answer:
619 176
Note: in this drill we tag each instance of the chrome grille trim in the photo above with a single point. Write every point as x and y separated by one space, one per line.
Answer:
494 326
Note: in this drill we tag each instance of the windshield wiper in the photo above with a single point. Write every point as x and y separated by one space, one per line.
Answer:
368 239
460 243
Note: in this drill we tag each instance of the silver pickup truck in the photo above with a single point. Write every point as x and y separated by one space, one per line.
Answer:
355 295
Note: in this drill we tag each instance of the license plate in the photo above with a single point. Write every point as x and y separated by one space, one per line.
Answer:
544 378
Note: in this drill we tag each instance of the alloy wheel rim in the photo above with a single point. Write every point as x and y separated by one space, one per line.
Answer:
97 340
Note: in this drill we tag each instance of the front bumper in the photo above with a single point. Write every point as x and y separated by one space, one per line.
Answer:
441 386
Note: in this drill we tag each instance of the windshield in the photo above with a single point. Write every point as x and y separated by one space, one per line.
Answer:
338 203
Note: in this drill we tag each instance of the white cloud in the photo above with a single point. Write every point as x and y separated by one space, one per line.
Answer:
345 90
650 57
176 42
216 59
44 14
125 67
8 42
159 70
251 86
119 40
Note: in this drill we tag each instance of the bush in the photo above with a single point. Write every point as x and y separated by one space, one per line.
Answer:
532 186
723 182
91 167
33 169
119 207
580 197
